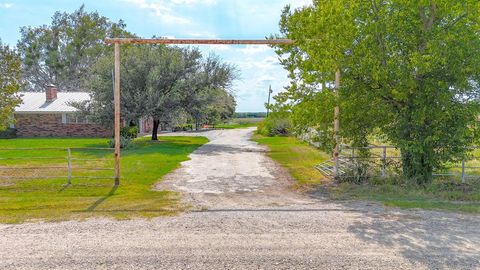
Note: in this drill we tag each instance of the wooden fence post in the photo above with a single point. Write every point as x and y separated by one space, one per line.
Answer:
336 127
117 113
463 170
69 165
384 162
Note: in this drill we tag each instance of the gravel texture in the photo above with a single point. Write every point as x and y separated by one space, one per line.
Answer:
231 171
245 217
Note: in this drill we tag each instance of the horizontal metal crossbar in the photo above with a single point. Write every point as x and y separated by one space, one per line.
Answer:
57 148
54 177
92 177
33 168
13 158
32 178
92 159
344 146
55 167
376 157
17 168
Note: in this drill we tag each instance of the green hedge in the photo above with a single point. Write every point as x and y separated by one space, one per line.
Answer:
9 133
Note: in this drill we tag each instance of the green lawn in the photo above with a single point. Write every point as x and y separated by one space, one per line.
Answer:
299 158
142 164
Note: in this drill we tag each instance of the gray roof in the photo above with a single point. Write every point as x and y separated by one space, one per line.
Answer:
35 102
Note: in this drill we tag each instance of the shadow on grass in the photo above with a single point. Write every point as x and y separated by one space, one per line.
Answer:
92 207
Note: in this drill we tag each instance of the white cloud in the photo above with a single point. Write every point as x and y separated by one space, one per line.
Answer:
6 5
202 34
162 10
168 37
194 2
219 47
166 9
300 3
259 67
255 49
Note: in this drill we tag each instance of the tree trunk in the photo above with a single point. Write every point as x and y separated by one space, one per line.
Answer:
156 123
417 165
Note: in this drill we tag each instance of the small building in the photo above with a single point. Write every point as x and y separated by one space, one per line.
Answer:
49 114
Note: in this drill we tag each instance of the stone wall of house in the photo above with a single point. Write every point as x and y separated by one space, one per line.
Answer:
50 125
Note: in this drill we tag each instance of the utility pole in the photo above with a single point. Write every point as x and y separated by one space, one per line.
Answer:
268 102
336 126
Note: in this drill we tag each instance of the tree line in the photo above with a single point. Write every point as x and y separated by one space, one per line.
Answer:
168 84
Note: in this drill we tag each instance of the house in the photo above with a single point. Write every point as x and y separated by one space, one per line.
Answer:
49 114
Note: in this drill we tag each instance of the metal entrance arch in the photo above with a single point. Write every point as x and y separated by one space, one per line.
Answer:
117 41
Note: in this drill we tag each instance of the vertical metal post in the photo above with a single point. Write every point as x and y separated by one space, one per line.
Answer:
69 165
384 161
116 94
463 170
268 101
336 126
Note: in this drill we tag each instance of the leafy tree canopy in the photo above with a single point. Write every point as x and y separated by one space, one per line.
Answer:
9 84
62 52
162 83
410 69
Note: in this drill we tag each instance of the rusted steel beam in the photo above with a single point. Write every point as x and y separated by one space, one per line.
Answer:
199 41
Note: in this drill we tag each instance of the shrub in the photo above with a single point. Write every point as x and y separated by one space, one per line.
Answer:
9 133
124 142
273 126
183 127
129 132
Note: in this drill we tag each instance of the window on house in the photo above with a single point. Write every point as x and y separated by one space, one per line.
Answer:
74 119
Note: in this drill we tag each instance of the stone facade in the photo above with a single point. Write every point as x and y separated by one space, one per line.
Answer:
50 125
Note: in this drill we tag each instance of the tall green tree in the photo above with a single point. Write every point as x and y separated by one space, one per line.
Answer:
62 52
410 69
208 97
9 84
158 82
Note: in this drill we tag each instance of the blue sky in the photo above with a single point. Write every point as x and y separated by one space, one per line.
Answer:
223 19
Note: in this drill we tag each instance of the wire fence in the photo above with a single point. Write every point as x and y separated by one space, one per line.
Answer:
65 164
383 161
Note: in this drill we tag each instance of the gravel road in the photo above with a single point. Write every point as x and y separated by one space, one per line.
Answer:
231 171
245 217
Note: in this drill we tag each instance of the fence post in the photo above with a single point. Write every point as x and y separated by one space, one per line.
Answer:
69 166
116 98
384 161
463 170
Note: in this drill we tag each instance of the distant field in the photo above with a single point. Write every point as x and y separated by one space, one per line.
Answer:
240 123
143 164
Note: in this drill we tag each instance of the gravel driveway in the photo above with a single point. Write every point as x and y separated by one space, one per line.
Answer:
231 171
245 217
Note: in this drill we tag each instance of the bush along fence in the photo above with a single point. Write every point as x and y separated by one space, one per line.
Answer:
67 165
359 163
